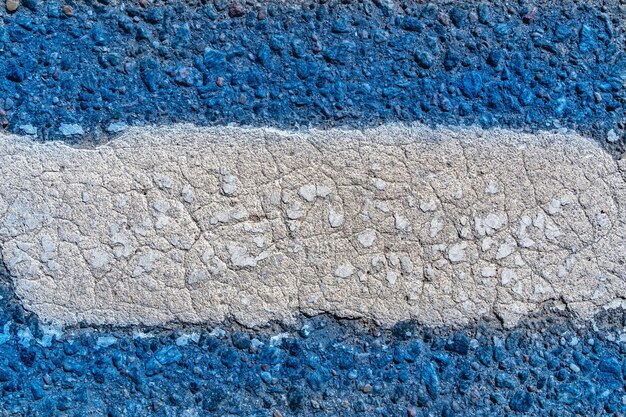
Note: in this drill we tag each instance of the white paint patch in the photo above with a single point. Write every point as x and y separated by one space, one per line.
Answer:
186 224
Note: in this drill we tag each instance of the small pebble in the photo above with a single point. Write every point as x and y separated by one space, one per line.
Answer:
12 5
116 127
235 10
28 129
71 130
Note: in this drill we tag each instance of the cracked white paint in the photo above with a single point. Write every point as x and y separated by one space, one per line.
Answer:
186 224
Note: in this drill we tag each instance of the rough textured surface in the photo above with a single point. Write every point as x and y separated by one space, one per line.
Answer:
106 232
91 68
204 224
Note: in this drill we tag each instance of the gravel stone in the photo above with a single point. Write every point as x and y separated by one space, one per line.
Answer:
71 130
12 5
116 127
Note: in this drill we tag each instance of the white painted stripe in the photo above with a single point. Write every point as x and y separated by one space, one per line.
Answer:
186 224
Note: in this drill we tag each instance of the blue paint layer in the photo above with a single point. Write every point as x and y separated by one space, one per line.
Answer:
327 368
319 64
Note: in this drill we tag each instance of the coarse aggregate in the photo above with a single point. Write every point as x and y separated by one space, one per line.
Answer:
82 71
